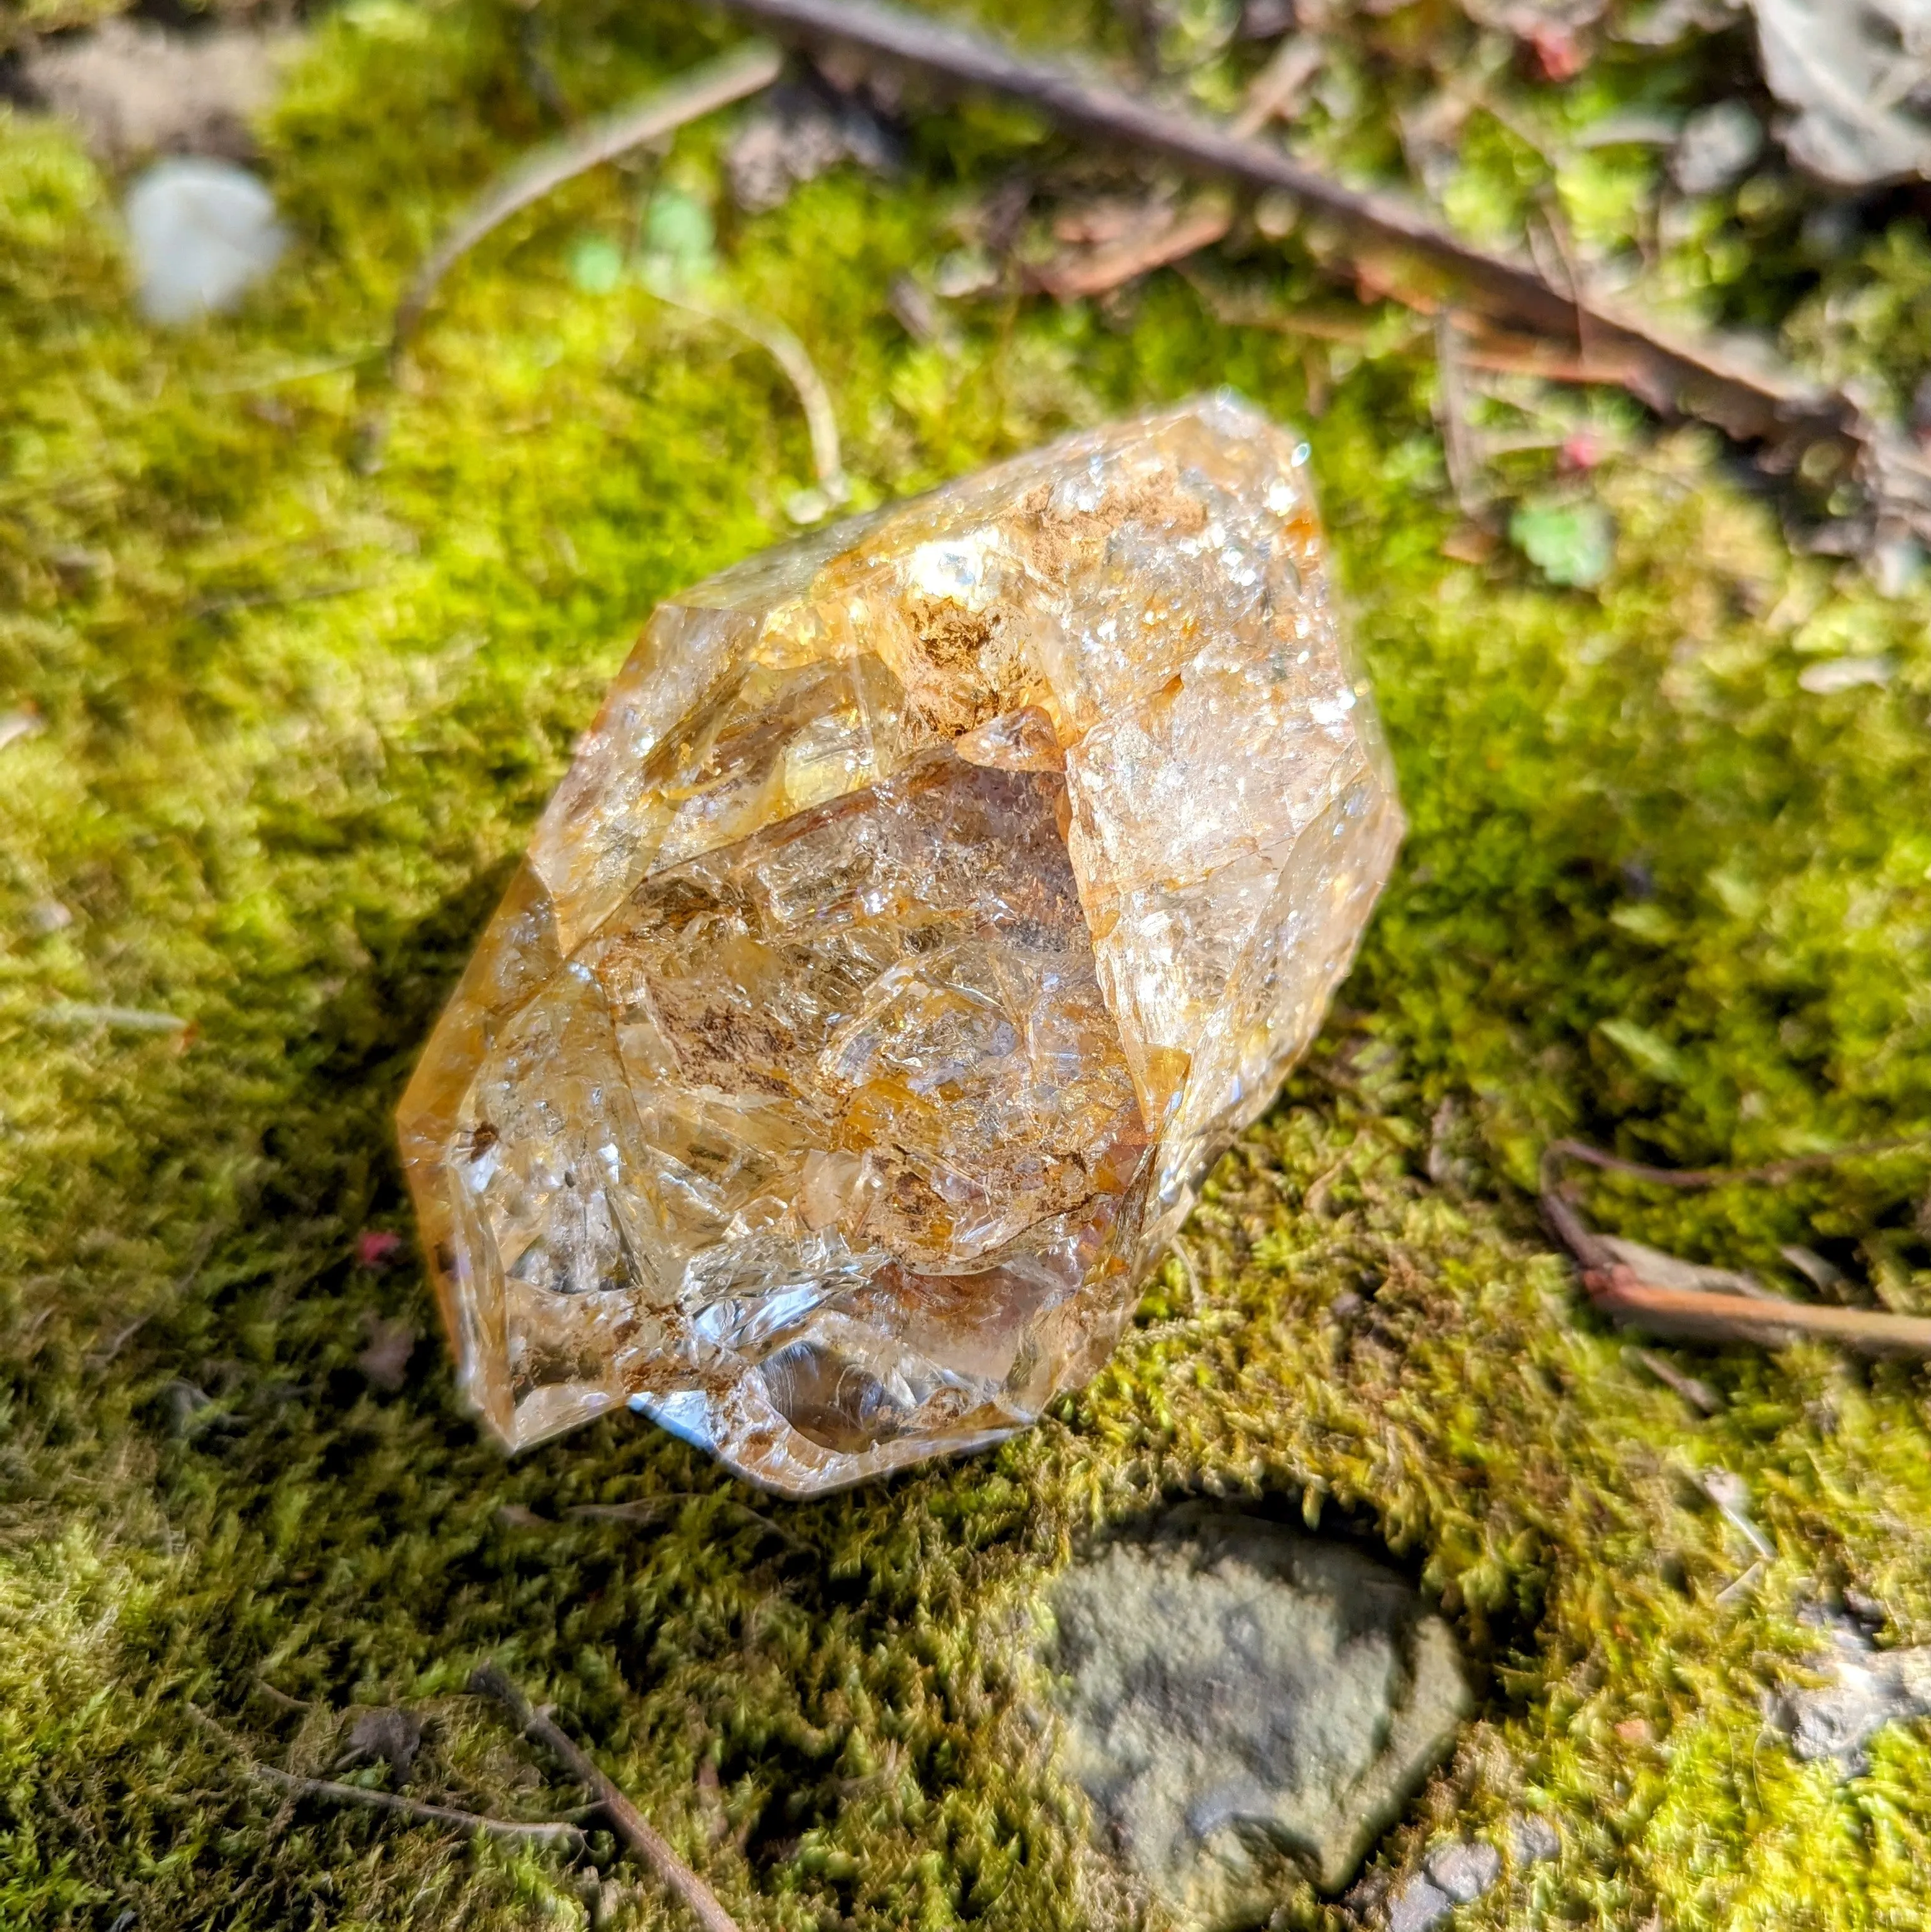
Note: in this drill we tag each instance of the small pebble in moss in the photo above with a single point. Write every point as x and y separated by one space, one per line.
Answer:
1533 1840
392 1734
1230 1683
795 135
1419 1906
965 271
1465 1871
1835 674
1863 1690
1570 544
1716 148
203 232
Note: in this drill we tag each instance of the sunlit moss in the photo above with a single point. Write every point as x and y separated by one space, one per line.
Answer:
299 712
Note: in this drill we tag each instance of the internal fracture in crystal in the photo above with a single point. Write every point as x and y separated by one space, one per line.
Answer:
931 901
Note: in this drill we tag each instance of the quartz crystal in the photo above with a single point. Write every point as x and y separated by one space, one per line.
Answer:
931 902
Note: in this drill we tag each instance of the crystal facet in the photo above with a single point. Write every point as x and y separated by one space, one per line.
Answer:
932 899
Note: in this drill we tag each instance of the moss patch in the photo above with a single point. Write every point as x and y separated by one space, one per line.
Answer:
296 718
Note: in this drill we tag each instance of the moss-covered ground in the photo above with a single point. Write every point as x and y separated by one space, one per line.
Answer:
295 714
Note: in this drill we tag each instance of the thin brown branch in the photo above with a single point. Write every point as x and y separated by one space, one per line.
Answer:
1458 445
1738 1585
1564 1221
1275 94
1095 271
1516 356
1746 397
1699 1315
279 1697
630 1824
1700 1396
743 70
1231 308
569 1836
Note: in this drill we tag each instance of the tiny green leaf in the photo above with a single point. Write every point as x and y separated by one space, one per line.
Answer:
1570 544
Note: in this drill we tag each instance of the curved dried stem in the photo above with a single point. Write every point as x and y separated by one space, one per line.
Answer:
792 356
746 70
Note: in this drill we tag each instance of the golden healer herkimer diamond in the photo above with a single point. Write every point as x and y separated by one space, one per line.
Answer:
931 900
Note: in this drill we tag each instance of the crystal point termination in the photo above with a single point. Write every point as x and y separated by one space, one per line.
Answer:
933 900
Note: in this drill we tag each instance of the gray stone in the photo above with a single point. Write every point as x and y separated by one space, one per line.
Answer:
1465 1871
1864 1690
1243 1700
203 232
1418 1906
1854 78
1716 148
1533 1840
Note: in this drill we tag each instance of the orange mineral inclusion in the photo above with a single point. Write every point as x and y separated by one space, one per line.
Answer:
931 901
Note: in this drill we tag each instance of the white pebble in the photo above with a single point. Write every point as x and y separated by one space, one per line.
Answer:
1419 1906
1834 674
1466 1870
1534 1839
203 233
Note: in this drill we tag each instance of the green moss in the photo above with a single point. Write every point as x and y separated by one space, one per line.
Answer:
298 717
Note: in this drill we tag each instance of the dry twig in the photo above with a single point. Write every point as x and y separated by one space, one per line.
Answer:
1277 89
122 1019
1382 240
1237 311
1700 1396
1095 271
1699 1315
1480 347
1459 447
630 1824
1700 376
279 1697
1738 1585
569 1836
744 70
